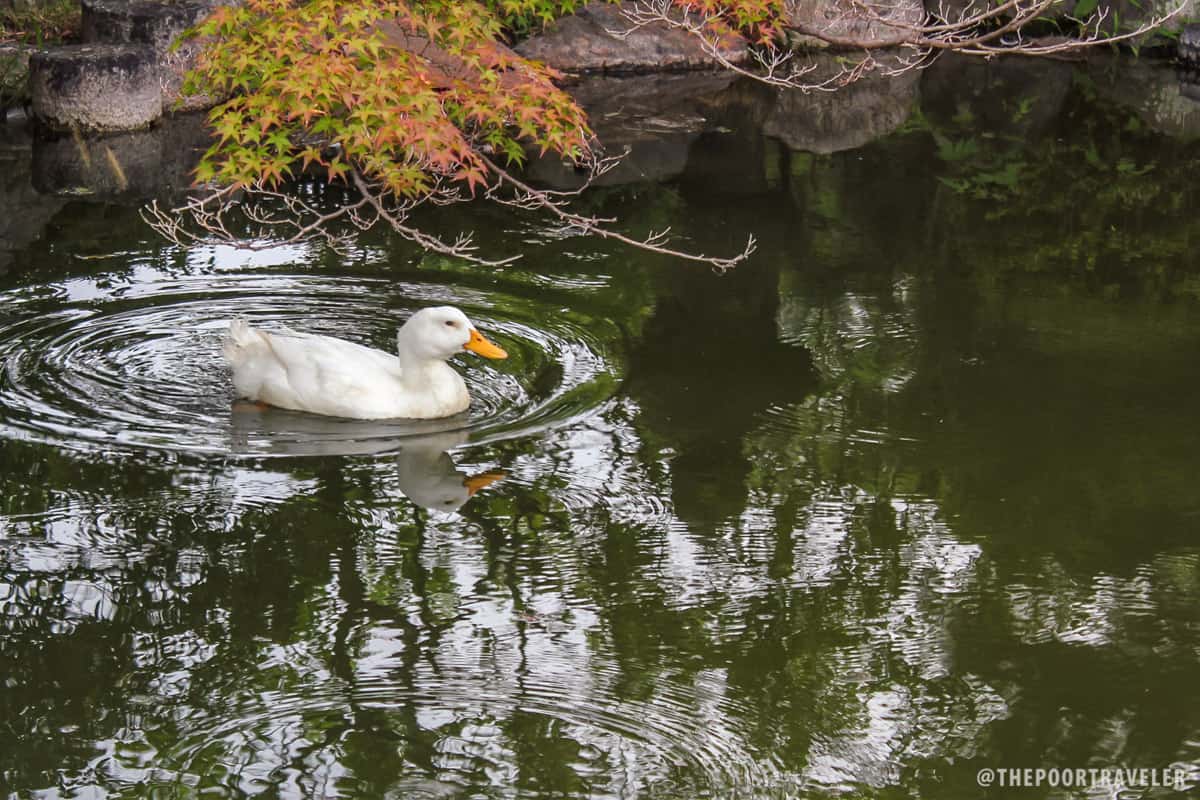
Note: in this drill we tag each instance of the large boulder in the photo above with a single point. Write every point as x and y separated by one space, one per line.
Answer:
850 24
1189 46
156 24
1155 92
92 87
599 38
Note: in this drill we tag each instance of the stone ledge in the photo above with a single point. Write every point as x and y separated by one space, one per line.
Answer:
95 87
157 24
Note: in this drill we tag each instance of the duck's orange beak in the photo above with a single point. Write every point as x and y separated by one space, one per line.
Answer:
477 482
483 347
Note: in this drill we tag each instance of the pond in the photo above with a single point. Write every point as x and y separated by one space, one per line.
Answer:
909 495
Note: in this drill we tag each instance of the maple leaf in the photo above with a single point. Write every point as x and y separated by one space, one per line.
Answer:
401 90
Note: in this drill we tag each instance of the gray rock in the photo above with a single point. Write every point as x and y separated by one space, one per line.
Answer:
152 22
1152 91
93 87
588 41
157 23
1189 90
852 21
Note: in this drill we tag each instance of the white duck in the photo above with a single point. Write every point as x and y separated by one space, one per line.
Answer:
324 375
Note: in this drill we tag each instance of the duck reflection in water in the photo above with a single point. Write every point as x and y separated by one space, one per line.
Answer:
426 474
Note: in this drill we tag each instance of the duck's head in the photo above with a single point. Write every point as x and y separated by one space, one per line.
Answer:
442 332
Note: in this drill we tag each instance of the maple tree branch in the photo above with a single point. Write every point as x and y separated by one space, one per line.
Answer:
527 197
283 218
597 166
401 104
972 31
462 247
207 218
703 26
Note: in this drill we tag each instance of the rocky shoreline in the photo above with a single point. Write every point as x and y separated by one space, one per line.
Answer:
124 74
634 103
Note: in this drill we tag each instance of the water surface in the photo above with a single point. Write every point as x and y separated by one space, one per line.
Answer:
909 495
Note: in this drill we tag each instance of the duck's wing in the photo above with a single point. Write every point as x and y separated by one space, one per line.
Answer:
334 356
335 365
308 372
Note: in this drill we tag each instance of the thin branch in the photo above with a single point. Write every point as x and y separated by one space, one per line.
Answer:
207 218
971 31
777 65
283 218
462 247
525 196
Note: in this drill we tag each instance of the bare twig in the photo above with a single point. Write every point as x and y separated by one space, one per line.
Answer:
510 190
462 247
207 218
975 30
278 217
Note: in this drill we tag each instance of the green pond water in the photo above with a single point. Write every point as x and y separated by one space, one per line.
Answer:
910 495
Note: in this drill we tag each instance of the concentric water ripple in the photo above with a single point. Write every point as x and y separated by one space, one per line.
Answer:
450 733
134 363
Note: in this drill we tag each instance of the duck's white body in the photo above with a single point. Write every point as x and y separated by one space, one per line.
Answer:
324 375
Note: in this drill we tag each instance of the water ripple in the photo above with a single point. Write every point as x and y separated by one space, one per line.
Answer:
132 362
457 722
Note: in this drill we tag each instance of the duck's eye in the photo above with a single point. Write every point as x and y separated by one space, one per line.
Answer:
452 323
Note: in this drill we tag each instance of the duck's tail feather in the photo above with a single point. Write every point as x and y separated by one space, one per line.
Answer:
240 340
